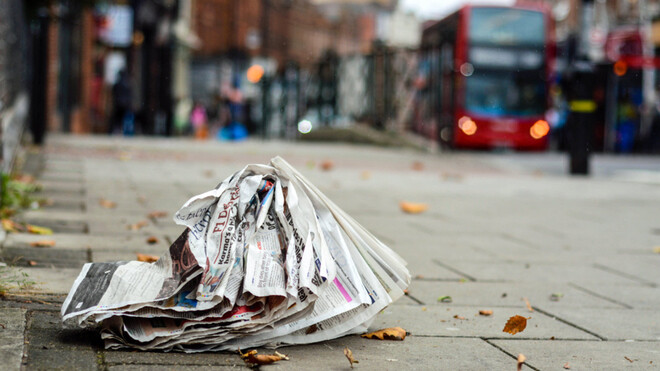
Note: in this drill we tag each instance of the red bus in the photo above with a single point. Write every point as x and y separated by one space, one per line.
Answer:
484 77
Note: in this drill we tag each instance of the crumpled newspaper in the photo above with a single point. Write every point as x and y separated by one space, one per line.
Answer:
265 259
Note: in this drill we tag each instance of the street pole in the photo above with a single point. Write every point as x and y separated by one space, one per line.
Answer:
580 79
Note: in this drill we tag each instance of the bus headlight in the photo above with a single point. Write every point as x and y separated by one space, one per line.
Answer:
539 129
467 125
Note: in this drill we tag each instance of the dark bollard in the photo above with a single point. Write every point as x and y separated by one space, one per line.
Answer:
580 123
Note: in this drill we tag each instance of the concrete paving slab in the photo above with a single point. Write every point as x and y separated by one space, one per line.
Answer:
52 280
645 268
520 272
124 357
508 294
11 349
45 256
585 355
51 347
635 296
12 332
414 353
74 241
614 324
441 321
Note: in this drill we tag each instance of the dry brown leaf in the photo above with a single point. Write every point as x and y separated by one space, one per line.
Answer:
417 166
521 360
152 240
107 203
327 165
567 366
252 358
628 359
43 243
486 312
413 207
158 214
528 305
146 258
459 317
515 324
349 355
137 226
392 333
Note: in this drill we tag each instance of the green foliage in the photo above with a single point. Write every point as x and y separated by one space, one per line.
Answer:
14 195
13 279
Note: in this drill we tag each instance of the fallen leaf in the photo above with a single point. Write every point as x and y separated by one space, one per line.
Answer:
521 360
146 258
423 309
628 359
152 240
515 324
11 226
158 214
34 229
392 333
252 358
366 175
556 296
43 243
486 312
417 166
445 299
528 305
567 366
107 203
656 249
137 226
32 263
349 355
327 165
459 317
413 207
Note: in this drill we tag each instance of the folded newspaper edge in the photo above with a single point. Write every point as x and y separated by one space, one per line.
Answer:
266 259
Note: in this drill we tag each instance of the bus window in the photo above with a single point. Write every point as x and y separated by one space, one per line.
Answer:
502 26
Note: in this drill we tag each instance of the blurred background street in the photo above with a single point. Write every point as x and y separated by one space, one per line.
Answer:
115 109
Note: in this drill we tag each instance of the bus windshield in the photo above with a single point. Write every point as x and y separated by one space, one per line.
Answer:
505 93
505 26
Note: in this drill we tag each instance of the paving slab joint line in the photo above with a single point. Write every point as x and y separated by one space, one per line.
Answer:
28 323
465 275
415 299
625 275
515 357
569 323
100 361
578 287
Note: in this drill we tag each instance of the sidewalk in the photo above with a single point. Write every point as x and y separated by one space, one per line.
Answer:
498 233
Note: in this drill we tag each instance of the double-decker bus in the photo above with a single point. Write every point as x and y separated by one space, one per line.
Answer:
484 77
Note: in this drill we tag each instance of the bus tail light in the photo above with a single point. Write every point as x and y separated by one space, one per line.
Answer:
539 129
467 125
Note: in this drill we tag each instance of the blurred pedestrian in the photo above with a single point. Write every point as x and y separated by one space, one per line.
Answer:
235 130
122 98
199 121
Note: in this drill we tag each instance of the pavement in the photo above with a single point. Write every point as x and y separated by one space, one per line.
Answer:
507 232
